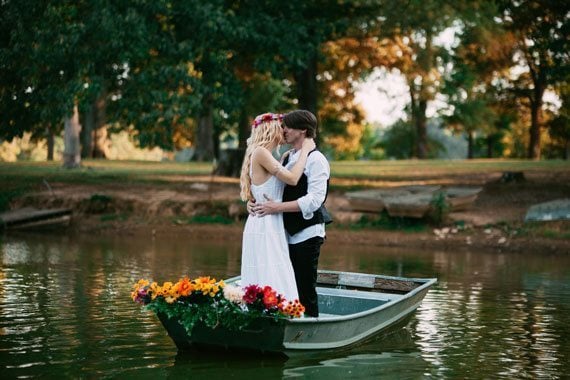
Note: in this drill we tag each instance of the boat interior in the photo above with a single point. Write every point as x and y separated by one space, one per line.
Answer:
335 302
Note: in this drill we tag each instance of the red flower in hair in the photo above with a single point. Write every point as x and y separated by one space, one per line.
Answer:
265 118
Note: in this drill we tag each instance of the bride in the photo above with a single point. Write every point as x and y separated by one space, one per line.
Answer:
265 253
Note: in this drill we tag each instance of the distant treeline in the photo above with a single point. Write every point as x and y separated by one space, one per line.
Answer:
194 73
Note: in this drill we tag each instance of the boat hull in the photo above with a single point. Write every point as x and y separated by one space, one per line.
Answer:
262 334
354 307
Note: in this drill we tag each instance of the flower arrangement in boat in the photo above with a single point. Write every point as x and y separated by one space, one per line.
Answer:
214 303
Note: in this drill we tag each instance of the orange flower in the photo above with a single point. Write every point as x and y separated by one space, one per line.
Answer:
184 286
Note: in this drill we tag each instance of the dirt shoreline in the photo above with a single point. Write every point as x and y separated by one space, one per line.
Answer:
495 222
490 239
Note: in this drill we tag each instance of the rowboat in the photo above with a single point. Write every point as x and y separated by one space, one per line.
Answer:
353 307
461 198
411 201
409 206
29 217
375 200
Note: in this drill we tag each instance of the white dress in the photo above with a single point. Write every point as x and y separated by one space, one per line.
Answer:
265 253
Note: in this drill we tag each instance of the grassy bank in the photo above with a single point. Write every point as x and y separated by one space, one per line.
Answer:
101 171
22 177
131 194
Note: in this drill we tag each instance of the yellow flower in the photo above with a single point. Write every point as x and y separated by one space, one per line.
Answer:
140 284
165 288
154 290
170 299
213 290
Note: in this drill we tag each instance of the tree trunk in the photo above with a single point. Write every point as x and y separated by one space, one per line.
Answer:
100 140
421 129
490 141
205 135
419 120
307 86
469 145
86 135
243 129
72 146
229 163
307 91
50 144
536 121
94 142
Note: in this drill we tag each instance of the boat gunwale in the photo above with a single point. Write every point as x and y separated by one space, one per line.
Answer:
426 283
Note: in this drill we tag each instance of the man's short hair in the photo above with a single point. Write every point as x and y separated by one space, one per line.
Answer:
301 119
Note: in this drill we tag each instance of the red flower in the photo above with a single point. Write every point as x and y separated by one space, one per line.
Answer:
270 298
251 293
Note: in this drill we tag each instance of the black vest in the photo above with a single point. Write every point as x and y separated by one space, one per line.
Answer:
294 221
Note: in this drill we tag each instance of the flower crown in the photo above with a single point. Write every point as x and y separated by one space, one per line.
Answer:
265 118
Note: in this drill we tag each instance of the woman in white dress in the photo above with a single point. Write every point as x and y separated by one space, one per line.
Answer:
265 253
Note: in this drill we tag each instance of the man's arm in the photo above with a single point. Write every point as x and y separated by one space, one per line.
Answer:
318 174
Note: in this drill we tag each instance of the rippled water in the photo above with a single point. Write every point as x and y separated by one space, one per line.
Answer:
65 312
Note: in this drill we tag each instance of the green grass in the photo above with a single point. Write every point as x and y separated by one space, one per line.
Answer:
98 171
17 179
403 169
101 171
553 230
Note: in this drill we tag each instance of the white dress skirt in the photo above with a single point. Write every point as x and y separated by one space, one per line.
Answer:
265 252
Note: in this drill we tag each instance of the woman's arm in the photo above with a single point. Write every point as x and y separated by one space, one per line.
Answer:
290 177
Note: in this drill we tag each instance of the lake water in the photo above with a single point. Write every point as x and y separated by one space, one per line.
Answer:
65 312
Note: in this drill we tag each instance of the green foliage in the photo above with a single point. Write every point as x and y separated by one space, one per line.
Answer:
440 208
210 219
369 141
222 313
385 222
6 196
399 141
158 64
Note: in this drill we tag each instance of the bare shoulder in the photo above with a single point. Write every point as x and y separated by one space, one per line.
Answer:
261 152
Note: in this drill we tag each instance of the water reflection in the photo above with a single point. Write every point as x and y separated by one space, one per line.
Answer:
65 311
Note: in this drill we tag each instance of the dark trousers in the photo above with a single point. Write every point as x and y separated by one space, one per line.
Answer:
305 259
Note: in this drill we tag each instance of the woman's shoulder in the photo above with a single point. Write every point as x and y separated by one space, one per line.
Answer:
260 152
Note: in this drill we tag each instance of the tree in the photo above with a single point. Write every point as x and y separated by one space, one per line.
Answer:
480 67
345 62
559 126
417 23
57 58
541 29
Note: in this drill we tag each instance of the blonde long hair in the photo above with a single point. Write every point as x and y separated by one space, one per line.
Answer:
265 130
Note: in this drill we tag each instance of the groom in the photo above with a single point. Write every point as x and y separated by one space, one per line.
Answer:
304 215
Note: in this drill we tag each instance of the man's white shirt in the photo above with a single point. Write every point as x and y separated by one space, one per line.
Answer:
317 170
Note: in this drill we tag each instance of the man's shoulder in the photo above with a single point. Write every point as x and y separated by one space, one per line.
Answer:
317 163
317 155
